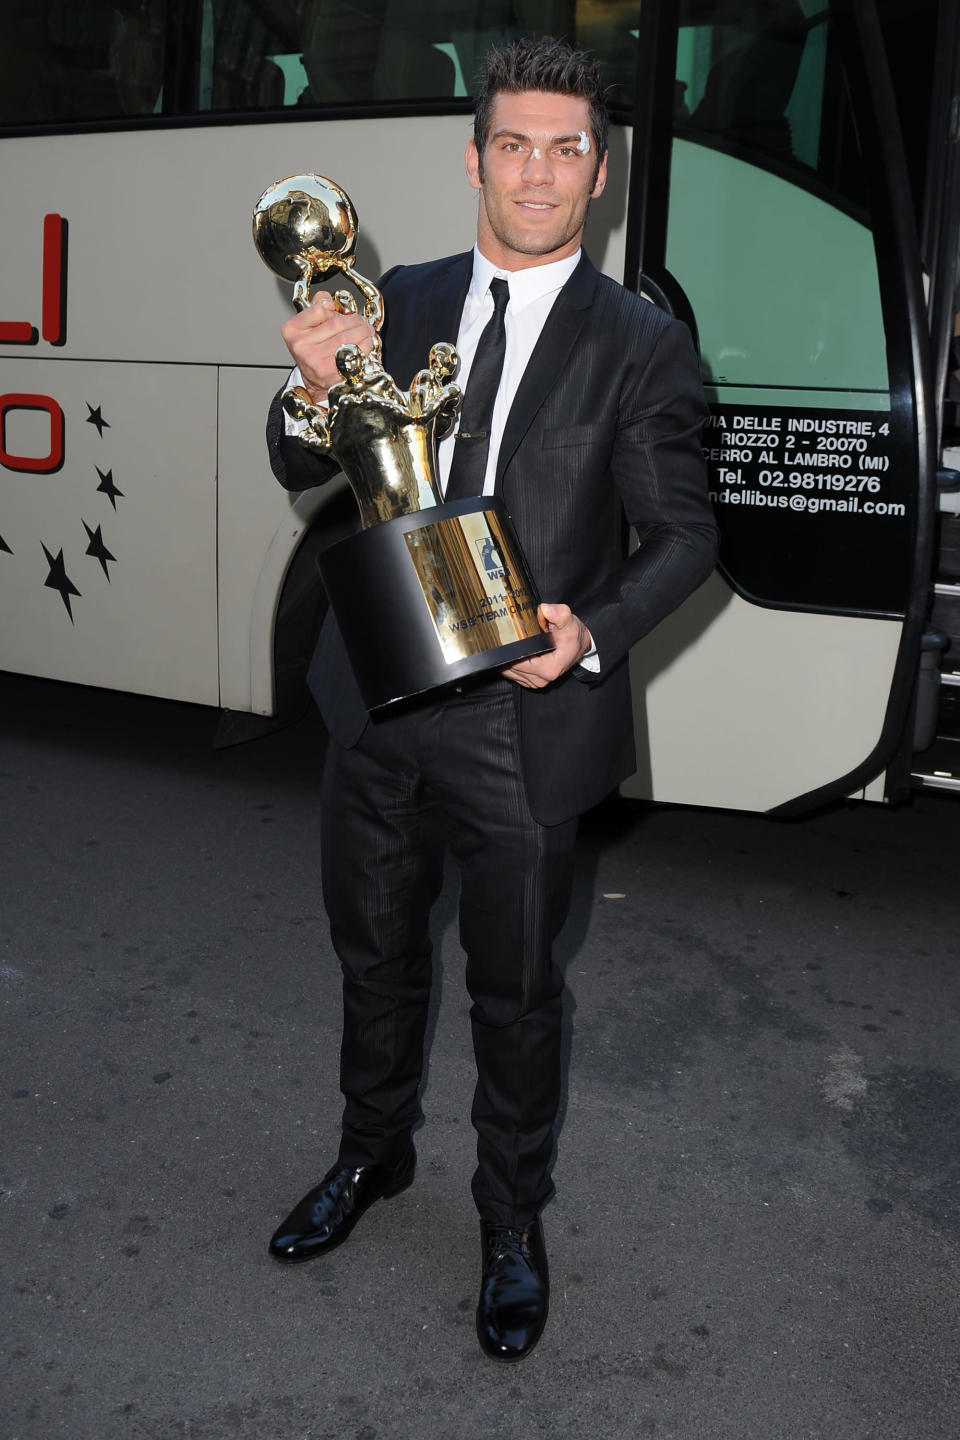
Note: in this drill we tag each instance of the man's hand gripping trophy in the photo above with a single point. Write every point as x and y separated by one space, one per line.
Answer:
306 228
363 380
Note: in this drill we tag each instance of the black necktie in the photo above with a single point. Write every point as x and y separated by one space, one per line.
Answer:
472 444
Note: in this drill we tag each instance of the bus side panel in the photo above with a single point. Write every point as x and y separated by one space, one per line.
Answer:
176 277
256 517
108 525
744 707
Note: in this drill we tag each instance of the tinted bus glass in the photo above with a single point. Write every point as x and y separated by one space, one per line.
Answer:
765 78
63 63
771 238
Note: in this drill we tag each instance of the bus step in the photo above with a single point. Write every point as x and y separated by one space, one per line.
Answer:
948 721
945 616
949 566
939 767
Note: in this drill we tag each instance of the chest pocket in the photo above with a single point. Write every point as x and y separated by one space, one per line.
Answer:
570 437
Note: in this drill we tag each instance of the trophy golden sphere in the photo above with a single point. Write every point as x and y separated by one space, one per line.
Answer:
305 223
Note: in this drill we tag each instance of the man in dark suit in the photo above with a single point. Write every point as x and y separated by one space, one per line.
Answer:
596 419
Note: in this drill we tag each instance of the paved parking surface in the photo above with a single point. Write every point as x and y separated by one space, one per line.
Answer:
756 1231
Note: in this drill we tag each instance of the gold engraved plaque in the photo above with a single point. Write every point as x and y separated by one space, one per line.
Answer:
477 599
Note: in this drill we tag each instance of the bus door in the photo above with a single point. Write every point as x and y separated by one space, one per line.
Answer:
933 154
771 208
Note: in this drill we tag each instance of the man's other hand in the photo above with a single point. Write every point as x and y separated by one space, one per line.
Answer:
571 641
313 338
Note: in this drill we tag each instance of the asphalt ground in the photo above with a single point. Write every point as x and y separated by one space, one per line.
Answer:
756 1230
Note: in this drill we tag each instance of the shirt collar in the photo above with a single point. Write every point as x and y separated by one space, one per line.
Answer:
527 285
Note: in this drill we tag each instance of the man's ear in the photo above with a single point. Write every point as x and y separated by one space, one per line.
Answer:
601 180
472 162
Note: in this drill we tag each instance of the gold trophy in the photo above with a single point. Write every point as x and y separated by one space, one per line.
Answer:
427 592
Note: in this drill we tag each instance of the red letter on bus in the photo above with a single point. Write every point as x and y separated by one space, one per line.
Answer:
41 464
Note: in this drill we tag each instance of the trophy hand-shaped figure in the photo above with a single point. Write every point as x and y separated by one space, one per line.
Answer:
428 592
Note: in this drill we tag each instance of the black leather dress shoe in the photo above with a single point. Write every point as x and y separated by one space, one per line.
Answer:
514 1292
327 1214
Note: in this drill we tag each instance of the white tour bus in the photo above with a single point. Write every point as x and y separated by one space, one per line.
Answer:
766 185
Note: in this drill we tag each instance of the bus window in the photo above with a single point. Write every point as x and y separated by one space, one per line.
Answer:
737 78
765 146
765 80
364 52
61 63
244 50
66 64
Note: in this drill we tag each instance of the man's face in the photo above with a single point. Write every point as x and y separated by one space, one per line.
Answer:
536 178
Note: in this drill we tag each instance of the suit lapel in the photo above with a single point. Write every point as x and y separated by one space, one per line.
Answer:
550 357
445 305
418 320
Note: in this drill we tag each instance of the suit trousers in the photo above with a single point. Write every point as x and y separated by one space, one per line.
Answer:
440 772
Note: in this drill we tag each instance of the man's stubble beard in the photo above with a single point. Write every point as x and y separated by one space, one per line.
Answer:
522 242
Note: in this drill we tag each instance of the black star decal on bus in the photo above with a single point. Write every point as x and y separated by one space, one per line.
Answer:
108 487
59 580
95 418
5 546
97 549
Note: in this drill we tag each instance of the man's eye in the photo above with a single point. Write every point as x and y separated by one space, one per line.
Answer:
513 147
567 152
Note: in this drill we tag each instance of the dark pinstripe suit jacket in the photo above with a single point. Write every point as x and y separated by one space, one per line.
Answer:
606 425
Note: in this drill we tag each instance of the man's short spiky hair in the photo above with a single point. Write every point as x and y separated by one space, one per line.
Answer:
544 64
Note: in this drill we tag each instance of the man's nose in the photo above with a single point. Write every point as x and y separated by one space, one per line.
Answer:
537 170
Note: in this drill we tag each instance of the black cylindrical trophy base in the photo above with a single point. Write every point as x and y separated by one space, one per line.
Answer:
428 599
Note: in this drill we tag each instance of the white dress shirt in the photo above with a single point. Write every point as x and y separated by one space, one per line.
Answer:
532 294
